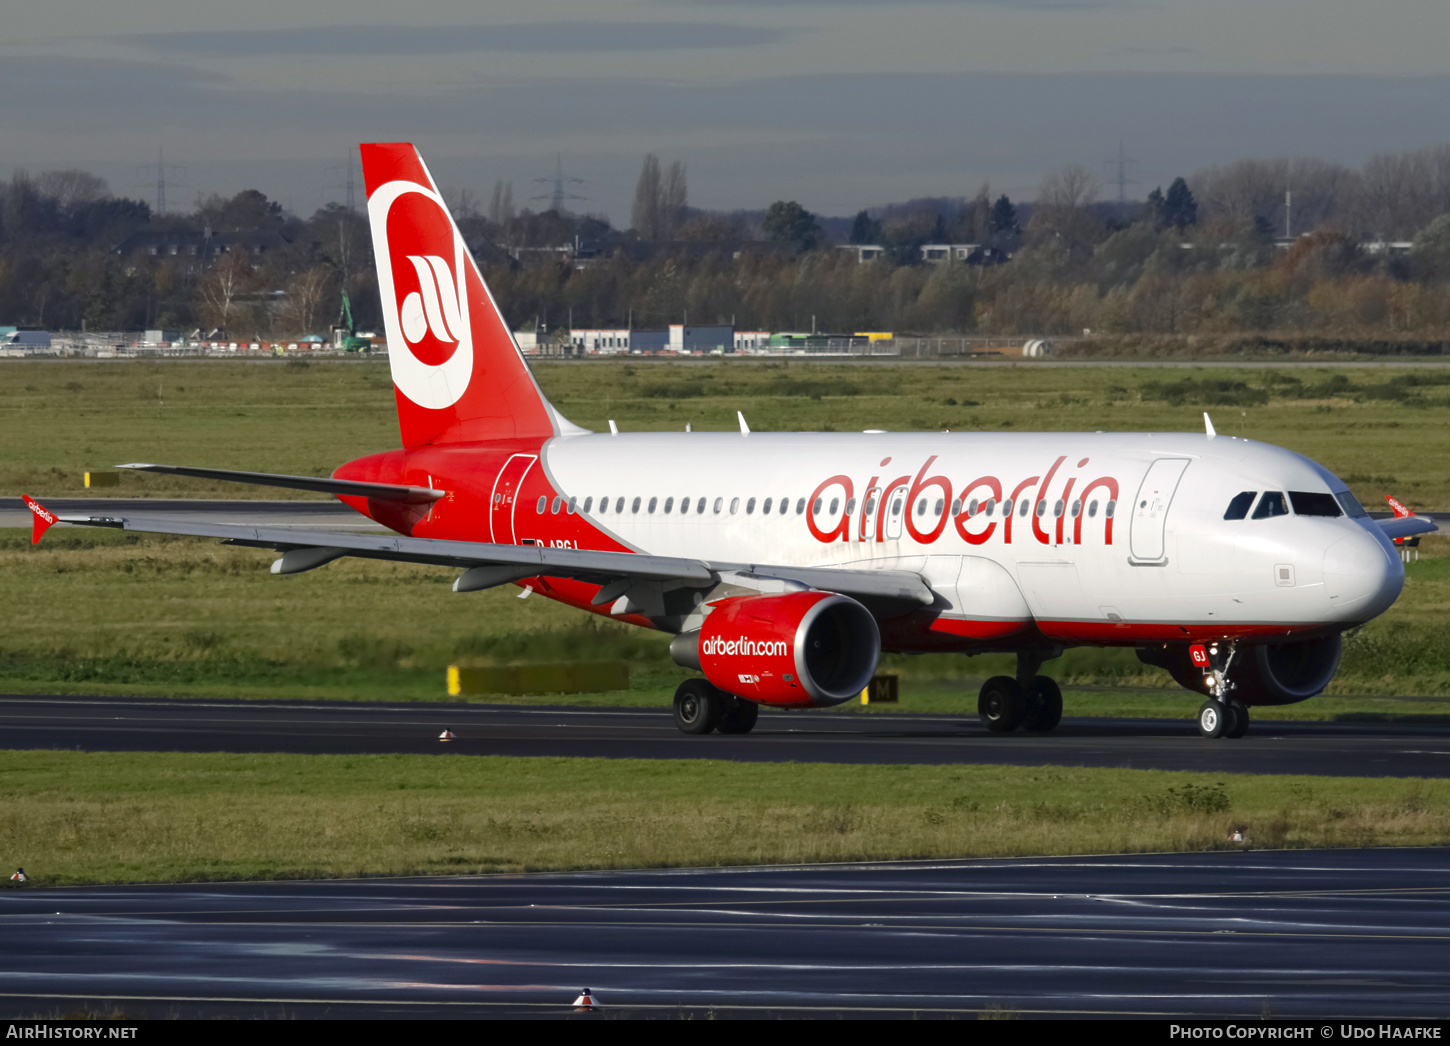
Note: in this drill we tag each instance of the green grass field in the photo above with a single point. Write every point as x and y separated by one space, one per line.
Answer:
1383 429
97 611
71 817
100 612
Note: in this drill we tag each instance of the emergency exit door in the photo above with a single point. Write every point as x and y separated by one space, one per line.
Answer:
1150 509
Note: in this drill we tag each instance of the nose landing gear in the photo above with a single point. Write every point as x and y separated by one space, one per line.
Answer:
1221 715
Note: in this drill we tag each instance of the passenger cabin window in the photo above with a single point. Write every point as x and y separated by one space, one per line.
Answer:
684 506
850 506
734 505
1271 504
784 505
557 502
634 505
1238 508
750 507
543 503
765 509
619 504
652 503
588 504
1352 508
1312 503
800 506
573 506
700 507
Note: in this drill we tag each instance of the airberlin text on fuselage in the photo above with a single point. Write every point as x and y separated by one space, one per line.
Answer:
1049 524
743 647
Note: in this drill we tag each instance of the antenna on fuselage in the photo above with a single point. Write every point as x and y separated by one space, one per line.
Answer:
613 428
1208 425
744 428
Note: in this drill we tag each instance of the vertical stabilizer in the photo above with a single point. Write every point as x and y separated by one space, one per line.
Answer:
457 372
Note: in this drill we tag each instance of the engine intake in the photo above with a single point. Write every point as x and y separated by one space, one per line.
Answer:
798 650
1270 674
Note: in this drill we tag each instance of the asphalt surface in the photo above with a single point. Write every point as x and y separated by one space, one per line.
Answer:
1297 933
112 724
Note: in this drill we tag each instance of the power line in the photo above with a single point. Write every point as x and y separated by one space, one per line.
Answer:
559 194
1121 179
161 183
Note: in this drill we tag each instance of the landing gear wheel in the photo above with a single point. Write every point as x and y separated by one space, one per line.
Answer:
1240 724
1044 705
738 716
1213 718
1001 704
697 706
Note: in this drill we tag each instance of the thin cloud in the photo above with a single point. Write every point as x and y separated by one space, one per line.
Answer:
523 37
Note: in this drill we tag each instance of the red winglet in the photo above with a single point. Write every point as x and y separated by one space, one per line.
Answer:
44 519
1400 511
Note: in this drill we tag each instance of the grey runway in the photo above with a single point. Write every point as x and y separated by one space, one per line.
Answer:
139 724
1294 933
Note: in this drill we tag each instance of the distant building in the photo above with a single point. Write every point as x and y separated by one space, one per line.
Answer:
961 253
602 341
204 246
749 341
864 251
701 339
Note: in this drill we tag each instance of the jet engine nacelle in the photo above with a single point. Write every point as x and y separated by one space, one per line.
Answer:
1268 674
797 650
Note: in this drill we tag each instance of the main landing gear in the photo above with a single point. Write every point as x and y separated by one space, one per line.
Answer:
1221 715
1030 702
701 707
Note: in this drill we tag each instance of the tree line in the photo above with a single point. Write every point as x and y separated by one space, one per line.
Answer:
1208 252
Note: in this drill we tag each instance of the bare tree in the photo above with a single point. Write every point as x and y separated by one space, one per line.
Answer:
673 197
1061 213
305 295
72 186
501 204
228 280
645 214
1071 188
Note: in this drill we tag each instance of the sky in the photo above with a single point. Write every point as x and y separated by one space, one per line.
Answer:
839 104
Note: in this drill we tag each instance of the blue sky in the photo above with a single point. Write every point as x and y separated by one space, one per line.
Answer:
836 103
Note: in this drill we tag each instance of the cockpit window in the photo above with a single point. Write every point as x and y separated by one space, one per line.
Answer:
1310 503
1352 508
1271 504
1238 508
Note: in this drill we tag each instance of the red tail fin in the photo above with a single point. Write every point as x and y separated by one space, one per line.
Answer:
1400 511
44 519
456 371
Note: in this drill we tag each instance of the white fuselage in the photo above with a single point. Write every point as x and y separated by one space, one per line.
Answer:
1107 532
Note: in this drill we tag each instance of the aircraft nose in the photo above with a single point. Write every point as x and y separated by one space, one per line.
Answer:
1362 576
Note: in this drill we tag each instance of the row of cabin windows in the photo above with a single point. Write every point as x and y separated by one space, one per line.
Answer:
1306 503
782 507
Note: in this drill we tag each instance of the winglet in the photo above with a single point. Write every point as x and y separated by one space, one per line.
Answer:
1400 511
44 519
1208 425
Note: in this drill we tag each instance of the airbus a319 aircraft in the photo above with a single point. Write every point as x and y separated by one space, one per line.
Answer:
784 564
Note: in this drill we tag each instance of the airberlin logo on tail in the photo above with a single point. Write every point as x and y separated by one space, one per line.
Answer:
744 647
424 293
434 306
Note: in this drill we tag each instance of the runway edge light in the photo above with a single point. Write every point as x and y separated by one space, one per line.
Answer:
446 735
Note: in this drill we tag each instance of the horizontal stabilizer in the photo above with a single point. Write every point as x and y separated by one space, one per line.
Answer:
1406 526
336 487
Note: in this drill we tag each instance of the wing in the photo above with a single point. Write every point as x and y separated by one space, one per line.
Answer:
487 565
380 491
